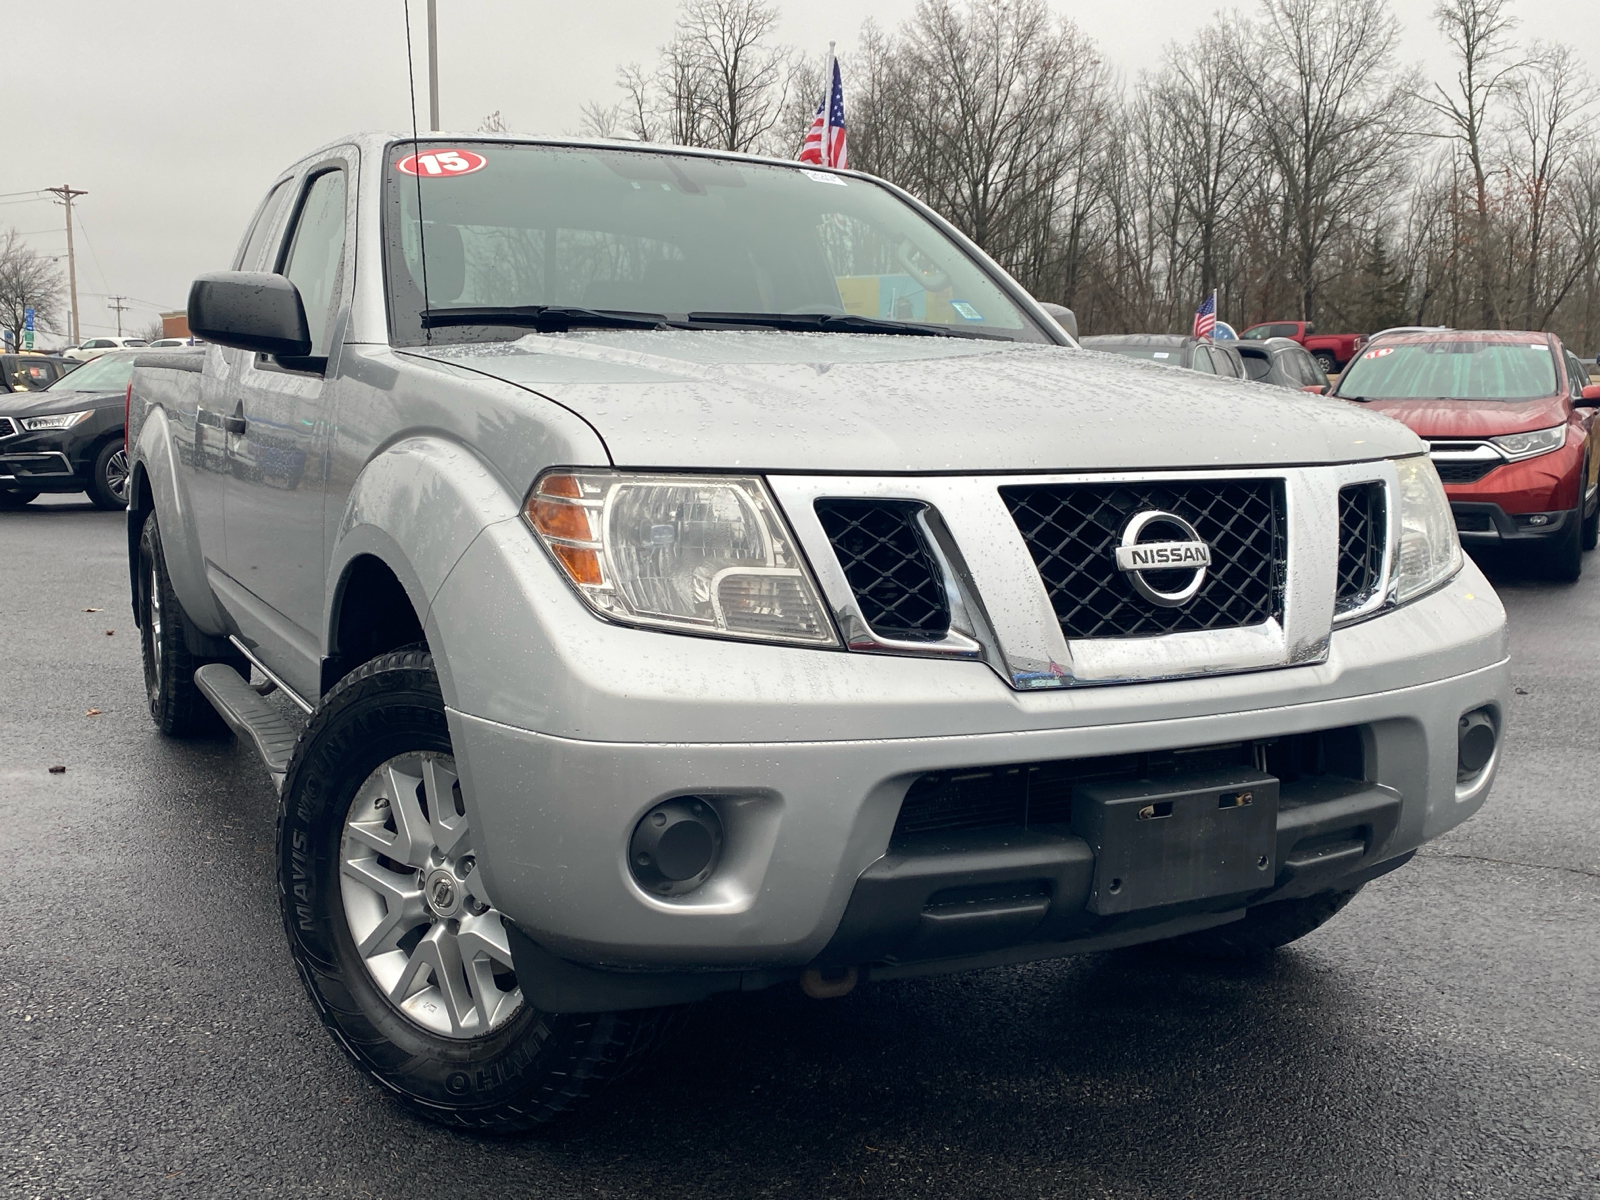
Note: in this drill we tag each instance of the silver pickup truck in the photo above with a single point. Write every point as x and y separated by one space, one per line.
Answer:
700 573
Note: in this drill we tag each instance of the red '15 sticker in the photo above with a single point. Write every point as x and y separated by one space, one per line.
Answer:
436 163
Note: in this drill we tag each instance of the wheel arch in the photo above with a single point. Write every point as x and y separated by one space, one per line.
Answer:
414 509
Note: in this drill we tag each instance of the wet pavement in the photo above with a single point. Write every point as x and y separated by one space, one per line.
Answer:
1440 1038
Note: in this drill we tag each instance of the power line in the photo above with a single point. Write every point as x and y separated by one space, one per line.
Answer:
119 308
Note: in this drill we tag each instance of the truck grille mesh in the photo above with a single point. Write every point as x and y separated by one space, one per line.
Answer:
1362 523
1072 530
886 558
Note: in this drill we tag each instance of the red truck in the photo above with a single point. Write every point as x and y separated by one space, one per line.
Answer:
1331 350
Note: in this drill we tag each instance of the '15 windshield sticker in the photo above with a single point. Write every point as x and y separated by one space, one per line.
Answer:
441 164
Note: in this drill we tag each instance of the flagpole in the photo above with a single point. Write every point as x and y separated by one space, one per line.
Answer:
827 103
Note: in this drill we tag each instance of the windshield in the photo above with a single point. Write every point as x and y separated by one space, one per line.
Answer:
512 226
1453 370
108 373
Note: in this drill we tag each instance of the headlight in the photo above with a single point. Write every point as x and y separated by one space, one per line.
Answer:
1531 445
56 420
1429 552
699 554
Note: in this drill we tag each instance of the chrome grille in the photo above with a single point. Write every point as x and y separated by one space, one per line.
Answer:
1362 524
889 566
1071 531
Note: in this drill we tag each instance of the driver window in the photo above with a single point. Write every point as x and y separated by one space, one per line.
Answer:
315 252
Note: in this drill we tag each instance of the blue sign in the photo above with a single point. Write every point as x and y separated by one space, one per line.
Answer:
27 329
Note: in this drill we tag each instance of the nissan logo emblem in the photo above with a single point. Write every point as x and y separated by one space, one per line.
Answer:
1135 557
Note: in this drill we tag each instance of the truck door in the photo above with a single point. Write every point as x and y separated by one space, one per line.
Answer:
278 438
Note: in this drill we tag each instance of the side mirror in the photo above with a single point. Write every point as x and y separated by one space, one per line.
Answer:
1064 317
1591 396
249 310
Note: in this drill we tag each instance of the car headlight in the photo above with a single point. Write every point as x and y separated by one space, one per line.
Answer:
56 420
1429 552
1533 444
704 554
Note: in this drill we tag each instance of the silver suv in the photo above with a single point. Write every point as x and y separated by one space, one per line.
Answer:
700 573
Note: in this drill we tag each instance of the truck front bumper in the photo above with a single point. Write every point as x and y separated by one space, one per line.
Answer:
808 823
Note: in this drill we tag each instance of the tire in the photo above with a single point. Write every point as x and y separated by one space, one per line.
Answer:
1591 523
366 834
1264 928
108 478
177 706
1328 363
1563 556
10 501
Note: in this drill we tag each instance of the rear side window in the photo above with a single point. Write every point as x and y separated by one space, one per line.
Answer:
1257 366
315 250
250 256
1202 361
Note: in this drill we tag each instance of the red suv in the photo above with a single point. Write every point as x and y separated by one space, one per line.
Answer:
1510 419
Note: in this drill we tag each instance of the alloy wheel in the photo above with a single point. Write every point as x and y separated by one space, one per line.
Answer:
417 908
117 475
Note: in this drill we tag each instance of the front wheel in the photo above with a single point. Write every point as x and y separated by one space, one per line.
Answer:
1591 523
108 477
1264 928
396 936
1563 556
1328 363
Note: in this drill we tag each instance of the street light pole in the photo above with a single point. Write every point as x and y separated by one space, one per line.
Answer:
433 65
67 194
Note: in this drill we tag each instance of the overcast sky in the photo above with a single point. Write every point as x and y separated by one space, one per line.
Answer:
174 117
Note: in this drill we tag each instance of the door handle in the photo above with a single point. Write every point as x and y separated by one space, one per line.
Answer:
233 424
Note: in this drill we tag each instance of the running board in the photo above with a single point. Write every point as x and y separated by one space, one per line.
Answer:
249 716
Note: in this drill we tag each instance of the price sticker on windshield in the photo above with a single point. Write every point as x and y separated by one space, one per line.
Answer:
438 164
1380 352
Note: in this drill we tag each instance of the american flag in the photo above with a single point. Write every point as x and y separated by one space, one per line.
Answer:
825 141
1205 317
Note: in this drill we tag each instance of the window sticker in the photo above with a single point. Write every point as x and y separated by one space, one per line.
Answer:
822 177
966 310
1379 352
439 164
1161 354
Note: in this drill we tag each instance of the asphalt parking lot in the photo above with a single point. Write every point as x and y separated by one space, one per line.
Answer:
1441 1038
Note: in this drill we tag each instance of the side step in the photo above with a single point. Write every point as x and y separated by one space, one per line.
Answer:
249 716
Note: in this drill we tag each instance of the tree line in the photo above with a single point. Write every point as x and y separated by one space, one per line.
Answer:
1288 158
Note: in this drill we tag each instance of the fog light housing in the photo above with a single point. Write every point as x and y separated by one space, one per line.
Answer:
675 846
1475 743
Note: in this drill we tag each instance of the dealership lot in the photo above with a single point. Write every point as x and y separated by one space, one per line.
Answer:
1440 1038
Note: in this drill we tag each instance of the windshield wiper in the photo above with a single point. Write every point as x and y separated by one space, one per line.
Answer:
544 318
836 323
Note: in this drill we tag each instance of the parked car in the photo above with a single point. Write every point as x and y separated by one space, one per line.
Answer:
1331 350
1172 350
95 347
1282 363
29 372
671 621
172 343
68 437
1510 421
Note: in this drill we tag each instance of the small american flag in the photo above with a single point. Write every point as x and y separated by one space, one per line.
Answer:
1205 317
825 140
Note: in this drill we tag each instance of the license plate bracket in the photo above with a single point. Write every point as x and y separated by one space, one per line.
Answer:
1188 837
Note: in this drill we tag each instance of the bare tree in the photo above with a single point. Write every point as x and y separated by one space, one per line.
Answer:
1333 116
1479 33
28 279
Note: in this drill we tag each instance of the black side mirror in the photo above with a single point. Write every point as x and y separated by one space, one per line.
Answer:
250 310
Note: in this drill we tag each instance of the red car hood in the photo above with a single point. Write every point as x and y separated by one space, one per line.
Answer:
1473 418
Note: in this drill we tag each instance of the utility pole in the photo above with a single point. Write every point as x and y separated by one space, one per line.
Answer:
433 65
119 308
67 194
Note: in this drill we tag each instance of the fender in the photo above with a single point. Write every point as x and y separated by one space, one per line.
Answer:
156 452
426 493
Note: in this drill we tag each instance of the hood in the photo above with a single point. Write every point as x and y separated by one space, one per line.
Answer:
33 404
864 403
1473 418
